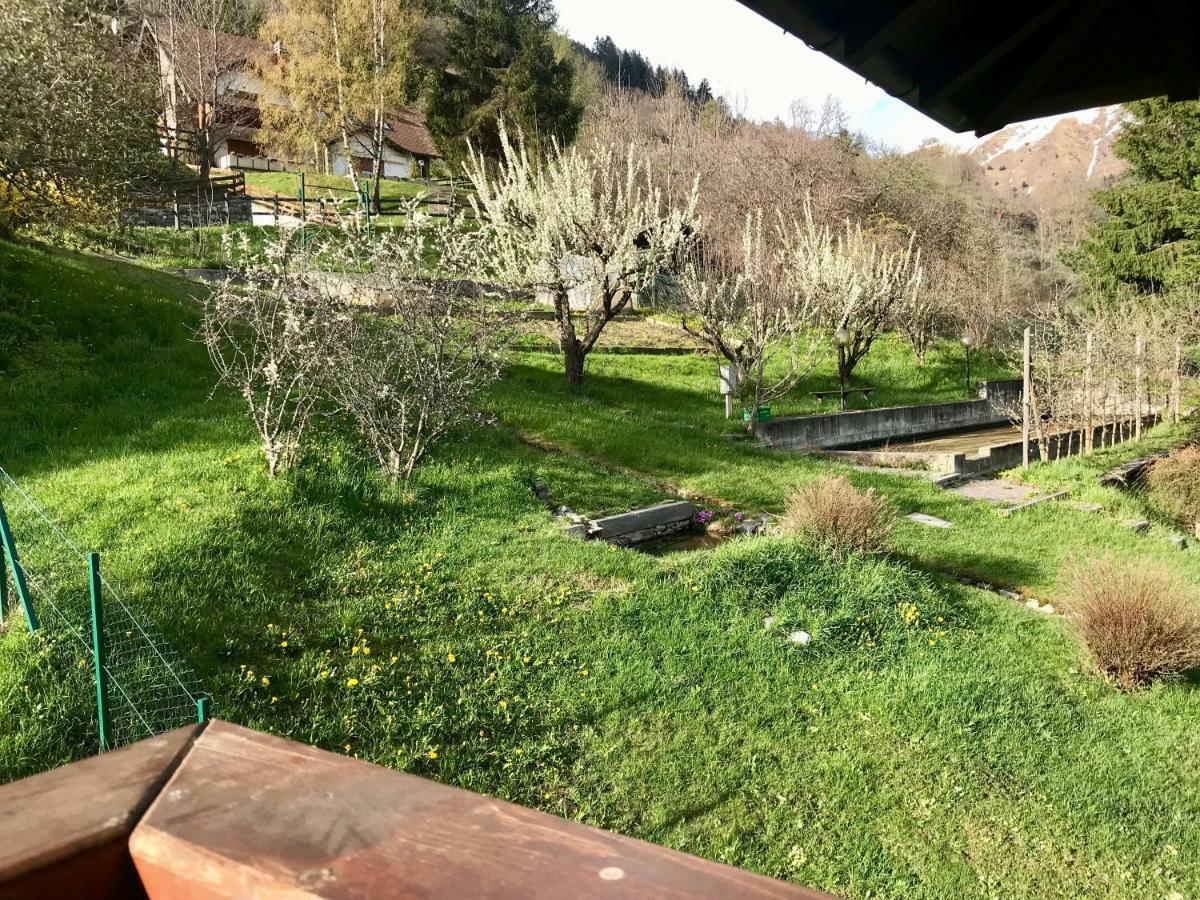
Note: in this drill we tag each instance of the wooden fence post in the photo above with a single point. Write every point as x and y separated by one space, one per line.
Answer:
275 211
1026 396
175 207
1139 348
1089 414
1177 384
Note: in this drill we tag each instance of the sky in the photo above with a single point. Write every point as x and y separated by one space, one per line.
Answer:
755 65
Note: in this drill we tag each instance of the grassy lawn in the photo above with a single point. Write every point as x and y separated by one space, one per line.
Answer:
969 751
339 187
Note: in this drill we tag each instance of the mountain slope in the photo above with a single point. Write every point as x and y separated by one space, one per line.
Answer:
1068 152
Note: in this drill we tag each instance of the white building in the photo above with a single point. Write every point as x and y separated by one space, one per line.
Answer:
185 59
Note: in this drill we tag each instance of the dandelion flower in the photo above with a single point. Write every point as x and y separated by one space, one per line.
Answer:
351 682
450 657
266 681
504 704
283 643
432 754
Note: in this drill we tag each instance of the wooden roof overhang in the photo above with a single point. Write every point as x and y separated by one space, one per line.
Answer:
979 66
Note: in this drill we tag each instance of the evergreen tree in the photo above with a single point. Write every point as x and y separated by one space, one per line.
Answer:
499 62
1149 240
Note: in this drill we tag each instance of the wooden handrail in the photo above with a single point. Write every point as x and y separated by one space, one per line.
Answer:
220 811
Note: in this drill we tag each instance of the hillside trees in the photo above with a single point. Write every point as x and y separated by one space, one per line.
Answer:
77 123
497 60
345 65
594 219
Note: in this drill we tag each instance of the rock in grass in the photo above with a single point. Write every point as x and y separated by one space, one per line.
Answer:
800 637
1178 540
1011 595
1138 525
930 521
768 623
1033 604
1047 608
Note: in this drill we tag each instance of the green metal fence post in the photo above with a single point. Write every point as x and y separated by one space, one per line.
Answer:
14 563
201 709
98 652
3 588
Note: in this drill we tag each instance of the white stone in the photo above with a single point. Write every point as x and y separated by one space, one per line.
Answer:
1033 604
800 637
1048 609
931 521
768 623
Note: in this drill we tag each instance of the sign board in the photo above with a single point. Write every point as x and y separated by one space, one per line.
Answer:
728 380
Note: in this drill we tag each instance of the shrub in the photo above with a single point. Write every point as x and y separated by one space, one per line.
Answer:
1174 483
270 329
1136 622
832 514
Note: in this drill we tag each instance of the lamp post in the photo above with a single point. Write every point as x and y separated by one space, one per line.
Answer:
841 337
966 342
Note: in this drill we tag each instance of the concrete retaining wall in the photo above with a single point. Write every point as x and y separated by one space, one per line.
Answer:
876 426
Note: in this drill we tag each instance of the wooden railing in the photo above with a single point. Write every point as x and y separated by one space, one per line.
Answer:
219 811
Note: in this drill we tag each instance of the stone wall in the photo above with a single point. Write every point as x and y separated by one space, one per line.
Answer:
876 426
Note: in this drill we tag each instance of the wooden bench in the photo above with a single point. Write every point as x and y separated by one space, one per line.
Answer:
822 395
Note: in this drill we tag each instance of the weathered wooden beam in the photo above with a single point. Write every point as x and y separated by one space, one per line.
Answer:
64 833
248 814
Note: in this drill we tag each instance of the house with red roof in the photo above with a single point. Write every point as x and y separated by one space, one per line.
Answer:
213 93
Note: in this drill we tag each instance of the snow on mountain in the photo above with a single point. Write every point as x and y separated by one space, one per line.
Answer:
1052 154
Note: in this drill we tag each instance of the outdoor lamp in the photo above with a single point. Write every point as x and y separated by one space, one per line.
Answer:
842 337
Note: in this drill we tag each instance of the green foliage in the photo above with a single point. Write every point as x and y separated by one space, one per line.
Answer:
1149 239
851 603
499 62
653 700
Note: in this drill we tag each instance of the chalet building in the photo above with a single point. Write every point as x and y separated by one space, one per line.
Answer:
224 100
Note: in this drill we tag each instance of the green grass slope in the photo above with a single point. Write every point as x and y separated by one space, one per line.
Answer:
445 628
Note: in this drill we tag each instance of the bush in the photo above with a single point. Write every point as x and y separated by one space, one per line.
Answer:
1174 483
835 516
1137 623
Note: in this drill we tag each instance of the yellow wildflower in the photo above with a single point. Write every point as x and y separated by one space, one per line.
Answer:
351 682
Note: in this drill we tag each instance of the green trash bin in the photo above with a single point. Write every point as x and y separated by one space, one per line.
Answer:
764 414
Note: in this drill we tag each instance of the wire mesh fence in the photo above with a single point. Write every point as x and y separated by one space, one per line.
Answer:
149 687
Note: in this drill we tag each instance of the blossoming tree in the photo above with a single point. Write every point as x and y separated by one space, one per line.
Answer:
580 219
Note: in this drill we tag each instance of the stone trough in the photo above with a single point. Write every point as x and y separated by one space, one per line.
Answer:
640 526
